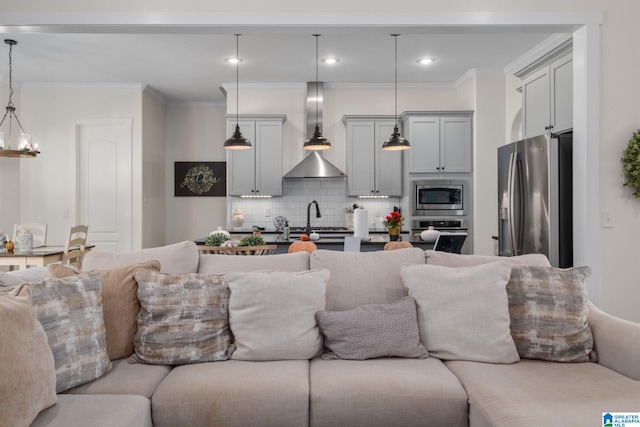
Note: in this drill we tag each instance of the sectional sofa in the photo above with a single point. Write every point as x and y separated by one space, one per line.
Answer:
388 338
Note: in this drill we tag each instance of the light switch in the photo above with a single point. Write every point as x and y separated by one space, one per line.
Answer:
606 219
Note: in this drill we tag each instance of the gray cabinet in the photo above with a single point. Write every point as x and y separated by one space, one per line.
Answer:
440 143
370 170
258 170
547 98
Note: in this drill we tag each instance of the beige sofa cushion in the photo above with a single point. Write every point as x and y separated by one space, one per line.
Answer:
539 393
27 371
97 410
549 313
372 330
463 312
183 318
119 301
272 314
178 258
70 311
234 394
385 392
447 259
359 278
221 264
126 378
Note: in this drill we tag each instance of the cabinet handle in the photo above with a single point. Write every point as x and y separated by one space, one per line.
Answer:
438 168
442 168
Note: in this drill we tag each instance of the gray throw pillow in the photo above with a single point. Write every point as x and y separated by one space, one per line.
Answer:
183 318
549 308
372 330
70 311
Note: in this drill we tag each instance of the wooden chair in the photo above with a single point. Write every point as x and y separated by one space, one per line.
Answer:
75 247
238 250
397 245
39 232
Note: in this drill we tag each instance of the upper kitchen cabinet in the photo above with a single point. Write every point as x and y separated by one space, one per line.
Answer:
440 143
547 97
258 170
372 171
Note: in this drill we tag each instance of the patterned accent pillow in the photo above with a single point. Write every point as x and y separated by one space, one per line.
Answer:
372 330
183 318
549 310
119 301
27 370
70 311
272 314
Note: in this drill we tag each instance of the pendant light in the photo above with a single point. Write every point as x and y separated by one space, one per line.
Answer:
25 146
396 142
317 141
237 141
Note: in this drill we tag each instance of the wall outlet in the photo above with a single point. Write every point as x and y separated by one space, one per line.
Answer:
267 211
606 220
65 213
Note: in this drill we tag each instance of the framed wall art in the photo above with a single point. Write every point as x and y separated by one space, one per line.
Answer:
204 179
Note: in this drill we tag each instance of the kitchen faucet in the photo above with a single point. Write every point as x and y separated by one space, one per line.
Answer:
308 229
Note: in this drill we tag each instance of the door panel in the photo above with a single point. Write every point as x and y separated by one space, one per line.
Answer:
104 182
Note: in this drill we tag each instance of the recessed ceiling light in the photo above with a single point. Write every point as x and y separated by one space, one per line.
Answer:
426 61
233 60
330 61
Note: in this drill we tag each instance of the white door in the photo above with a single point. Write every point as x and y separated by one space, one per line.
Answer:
104 182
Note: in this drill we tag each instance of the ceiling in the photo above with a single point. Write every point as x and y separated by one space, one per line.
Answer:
188 67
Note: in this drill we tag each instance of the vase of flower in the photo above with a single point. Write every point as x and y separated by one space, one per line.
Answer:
394 233
393 222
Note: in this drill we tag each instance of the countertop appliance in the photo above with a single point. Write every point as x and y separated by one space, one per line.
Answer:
535 198
446 226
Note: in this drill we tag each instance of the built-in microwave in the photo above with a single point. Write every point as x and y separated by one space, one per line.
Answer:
438 197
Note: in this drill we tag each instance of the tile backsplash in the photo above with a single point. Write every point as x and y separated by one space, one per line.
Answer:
330 193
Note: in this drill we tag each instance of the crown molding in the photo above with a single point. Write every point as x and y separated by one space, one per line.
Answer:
178 105
149 90
85 86
550 48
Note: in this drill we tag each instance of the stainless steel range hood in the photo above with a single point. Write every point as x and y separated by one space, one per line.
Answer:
314 165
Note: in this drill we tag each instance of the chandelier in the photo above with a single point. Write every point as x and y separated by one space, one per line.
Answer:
25 146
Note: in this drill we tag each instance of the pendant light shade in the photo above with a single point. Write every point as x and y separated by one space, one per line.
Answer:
396 142
317 141
237 141
24 144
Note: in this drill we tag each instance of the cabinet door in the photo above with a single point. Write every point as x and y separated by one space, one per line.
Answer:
361 164
561 72
241 171
424 136
455 144
268 152
536 106
388 176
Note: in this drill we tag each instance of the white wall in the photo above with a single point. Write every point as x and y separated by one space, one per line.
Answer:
153 171
48 182
193 133
9 174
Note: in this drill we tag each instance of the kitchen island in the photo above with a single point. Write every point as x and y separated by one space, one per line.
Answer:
331 240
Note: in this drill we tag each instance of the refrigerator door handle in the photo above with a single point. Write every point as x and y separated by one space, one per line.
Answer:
511 193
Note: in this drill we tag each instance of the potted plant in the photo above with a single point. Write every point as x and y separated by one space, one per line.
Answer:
393 222
631 164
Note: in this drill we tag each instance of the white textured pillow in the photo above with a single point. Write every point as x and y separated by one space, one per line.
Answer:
272 314
463 313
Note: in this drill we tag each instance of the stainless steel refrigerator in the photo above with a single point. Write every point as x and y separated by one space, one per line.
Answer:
535 211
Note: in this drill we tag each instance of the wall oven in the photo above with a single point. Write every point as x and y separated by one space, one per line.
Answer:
438 197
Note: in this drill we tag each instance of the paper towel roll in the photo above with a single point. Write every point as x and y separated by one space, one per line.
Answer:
361 223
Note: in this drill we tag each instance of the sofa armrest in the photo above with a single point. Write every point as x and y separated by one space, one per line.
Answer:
617 342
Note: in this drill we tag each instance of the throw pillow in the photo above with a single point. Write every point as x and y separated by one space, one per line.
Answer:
272 314
549 310
27 370
373 330
9 281
120 304
70 311
183 318
463 313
